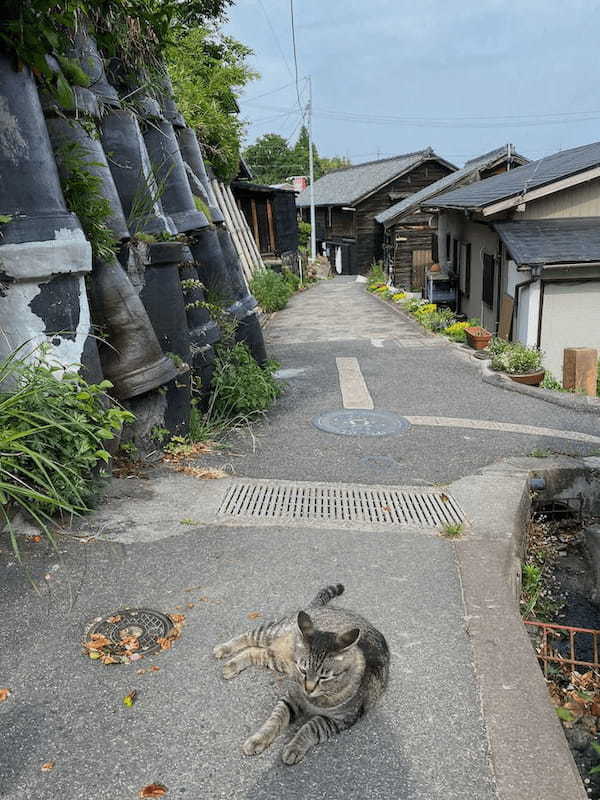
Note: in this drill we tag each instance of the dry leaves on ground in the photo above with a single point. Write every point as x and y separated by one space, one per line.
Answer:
254 615
166 642
576 696
48 766
99 648
4 695
201 472
153 790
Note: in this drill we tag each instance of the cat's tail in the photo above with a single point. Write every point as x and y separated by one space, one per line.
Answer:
327 594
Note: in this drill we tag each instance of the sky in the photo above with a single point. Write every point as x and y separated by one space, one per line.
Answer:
394 76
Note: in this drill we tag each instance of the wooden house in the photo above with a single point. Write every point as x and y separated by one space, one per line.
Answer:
524 251
348 200
410 234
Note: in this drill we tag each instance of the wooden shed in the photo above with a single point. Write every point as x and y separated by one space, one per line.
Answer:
271 216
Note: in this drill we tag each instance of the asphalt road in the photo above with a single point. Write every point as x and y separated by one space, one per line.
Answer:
425 741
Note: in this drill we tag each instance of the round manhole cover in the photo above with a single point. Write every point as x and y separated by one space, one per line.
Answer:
128 634
361 422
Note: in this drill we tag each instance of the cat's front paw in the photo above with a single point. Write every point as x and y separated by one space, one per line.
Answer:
254 745
231 669
292 754
221 651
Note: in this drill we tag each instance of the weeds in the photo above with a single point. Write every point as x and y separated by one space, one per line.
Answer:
453 530
271 290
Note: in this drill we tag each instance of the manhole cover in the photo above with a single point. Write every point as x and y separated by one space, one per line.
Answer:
361 422
141 626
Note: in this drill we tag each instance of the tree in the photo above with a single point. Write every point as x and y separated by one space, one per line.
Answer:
335 162
300 155
270 159
206 69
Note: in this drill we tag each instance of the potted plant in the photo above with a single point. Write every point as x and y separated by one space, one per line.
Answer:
522 364
477 337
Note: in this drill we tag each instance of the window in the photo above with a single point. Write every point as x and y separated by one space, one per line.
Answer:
464 268
487 292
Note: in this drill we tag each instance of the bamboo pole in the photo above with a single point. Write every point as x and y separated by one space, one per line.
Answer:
231 229
253 246
231 209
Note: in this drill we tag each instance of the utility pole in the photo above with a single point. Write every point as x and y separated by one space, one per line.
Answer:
311 170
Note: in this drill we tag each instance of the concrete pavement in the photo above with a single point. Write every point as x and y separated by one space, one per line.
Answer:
426 740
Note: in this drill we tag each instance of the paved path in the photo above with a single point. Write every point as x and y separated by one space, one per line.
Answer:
426 740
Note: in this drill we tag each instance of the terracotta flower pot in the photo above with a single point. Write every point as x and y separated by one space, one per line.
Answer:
478 338
529 378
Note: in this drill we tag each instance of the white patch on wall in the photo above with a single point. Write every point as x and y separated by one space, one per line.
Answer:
513 277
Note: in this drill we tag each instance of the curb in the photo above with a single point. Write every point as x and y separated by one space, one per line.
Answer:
529 754
575 402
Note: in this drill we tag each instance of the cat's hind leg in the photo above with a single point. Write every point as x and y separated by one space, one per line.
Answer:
280 718
262 636
318 729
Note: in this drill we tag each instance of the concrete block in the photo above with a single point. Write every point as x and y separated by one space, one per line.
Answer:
580 366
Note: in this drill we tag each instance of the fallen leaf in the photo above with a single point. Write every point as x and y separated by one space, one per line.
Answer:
444 498
136 656
106 658
94 654
254 615
165 642
595 709
140 672
204 599
36 538
178 608
154 668
4 695
48 766
116 618
98 640
129 699
191 605
153 790
130 642
177 618
192 588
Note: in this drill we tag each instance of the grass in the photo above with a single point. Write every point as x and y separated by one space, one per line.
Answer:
453 530
271 290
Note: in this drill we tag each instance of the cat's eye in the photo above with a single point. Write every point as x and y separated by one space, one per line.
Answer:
327 677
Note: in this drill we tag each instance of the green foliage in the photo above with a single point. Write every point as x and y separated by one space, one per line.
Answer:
82 191
207 68
514 357
52 432
292 280
240 385
436 321
272 160
376 273
304 229
271 290
550 382
531 587
453 530
203 207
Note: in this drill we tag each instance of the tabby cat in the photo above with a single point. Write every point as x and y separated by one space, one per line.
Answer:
338 664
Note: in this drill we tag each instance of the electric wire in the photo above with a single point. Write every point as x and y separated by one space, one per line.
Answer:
276 39
295 55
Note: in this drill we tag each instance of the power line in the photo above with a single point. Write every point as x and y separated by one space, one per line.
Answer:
264 94
276 39
295 54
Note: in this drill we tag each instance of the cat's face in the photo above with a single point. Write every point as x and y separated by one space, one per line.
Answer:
323 661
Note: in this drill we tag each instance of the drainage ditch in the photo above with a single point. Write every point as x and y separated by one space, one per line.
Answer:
560 605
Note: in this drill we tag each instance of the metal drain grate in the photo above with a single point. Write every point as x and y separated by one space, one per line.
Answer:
362 505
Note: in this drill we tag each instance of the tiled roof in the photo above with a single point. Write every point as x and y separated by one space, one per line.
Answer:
552 241
522 179
344 187
470 168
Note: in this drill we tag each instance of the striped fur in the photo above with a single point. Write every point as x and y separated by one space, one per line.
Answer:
337 664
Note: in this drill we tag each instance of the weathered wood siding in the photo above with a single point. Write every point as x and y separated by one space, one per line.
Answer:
369 233
413 234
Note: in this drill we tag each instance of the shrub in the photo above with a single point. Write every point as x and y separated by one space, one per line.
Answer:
292 280
514 357
425 308
52 431
240 385
271 290
550 382
398 296
376 273
415 304
436 320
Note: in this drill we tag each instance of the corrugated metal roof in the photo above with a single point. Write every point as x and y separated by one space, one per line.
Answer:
536 173
344 187
470 168
569 240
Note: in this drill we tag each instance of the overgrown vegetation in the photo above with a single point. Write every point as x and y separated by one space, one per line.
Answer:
82 190
239 385
514 357
271 289
53 426
208 70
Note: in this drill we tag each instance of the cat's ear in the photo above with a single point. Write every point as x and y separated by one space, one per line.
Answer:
305 625
347 639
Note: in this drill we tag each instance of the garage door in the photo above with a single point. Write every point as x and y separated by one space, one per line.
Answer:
570 318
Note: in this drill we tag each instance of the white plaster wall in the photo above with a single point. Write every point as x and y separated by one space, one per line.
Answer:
571 318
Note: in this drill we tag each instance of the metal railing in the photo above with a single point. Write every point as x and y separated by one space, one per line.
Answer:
554 639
